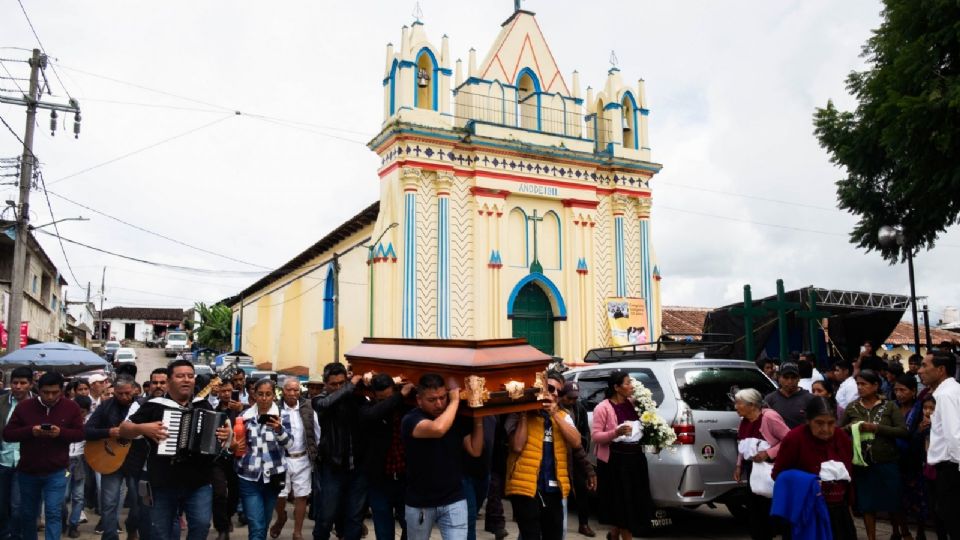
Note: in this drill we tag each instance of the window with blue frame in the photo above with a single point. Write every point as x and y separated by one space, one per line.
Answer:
328 289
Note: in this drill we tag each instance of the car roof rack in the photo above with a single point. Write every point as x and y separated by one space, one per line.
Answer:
669 346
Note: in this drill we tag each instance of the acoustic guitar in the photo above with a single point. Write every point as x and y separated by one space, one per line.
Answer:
106 455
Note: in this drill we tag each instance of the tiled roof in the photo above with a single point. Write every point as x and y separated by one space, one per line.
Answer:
684 321
903 335
143 314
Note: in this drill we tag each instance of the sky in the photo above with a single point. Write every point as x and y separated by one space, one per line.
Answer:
746 195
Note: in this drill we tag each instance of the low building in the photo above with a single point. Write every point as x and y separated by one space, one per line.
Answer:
43 310
140 323
900 344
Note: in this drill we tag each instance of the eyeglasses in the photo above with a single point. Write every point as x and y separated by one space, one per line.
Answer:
552 389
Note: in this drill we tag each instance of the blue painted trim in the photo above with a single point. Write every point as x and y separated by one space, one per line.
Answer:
433 80
328 288
443 267
477 80
559 307
536 90
407 64
646 275
409 323
393 87
636 125
609 106
645 112
620 252
578 101
236 334
445 71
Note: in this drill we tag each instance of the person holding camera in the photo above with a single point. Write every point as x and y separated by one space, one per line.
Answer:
259 463
44 427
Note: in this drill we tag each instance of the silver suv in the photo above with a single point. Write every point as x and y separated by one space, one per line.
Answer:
696 396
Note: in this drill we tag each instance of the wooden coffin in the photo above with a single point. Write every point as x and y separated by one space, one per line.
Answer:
496 376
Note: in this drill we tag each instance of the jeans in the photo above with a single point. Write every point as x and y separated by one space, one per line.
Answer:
111 501
48 488
494 519
450 519
196 505
258 499
386 503
540 516
475 490
73 498
341 491
9 504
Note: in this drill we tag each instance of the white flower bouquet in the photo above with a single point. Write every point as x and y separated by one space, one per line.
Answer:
656 431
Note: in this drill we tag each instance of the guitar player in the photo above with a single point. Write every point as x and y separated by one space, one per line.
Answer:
181 483
104 423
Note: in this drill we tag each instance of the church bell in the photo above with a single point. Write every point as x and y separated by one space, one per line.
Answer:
423 78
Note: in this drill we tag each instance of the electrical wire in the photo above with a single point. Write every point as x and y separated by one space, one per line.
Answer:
142 229
14 79
143 149
56 228
42 48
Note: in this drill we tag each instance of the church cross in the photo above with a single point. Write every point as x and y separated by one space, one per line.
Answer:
749 313
813 317
535 266
782 307
516 5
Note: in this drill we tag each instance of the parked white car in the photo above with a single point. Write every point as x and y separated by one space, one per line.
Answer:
176 343
125 355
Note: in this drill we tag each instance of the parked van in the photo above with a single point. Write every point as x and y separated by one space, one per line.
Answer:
176 343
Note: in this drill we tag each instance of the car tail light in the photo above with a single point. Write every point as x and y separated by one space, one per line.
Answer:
683 425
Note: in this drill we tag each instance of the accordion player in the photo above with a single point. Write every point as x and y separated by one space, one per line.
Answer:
191 432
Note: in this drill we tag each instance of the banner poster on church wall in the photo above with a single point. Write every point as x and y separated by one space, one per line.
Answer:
628 321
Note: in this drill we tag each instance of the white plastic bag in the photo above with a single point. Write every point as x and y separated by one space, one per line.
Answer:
761 481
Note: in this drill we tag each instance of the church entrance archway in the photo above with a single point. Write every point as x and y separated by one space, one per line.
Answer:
533 318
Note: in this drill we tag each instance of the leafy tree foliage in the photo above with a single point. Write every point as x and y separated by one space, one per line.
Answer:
900 147
214 328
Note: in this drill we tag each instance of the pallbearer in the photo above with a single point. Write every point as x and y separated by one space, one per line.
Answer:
175 482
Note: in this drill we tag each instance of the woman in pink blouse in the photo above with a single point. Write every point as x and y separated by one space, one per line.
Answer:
623 480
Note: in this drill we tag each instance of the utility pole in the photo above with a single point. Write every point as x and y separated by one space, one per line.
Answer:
38 61
23 214
336 307
103 281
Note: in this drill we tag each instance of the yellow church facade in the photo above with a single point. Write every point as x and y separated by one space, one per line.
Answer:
511 204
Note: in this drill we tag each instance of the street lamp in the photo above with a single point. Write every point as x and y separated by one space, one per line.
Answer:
888 237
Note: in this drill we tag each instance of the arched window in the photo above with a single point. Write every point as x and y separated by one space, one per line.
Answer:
517 242
549 241
425 81
328 289
528 99
629 123
495 109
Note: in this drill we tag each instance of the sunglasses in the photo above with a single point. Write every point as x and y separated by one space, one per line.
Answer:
552 389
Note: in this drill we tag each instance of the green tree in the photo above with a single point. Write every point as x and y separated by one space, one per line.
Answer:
900 147
214 327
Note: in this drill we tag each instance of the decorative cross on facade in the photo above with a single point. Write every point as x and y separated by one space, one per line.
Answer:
417 12
749 313
535 266
613 60
813 317
782 307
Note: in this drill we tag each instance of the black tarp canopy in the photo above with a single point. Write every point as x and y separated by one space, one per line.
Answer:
854 317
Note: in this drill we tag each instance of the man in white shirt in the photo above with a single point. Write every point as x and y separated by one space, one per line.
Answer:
937 371
300 421
847 391
809 374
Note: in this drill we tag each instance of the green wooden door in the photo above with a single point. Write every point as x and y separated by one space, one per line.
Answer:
533 318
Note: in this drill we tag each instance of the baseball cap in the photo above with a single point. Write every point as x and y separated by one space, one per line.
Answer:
97 377
790 369
571 389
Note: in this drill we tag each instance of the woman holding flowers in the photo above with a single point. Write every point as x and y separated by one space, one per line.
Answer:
759 436
621 466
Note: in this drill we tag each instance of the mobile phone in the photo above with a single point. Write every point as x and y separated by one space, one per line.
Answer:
235 395
46 427
264 418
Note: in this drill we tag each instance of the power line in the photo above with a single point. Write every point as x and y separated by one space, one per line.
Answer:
151 293
42 48
745 196
143 149
56 228
142 229
14 79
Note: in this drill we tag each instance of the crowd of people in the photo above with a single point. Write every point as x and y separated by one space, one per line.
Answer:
354 445
874 438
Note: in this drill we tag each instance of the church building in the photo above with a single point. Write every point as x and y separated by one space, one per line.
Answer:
512 204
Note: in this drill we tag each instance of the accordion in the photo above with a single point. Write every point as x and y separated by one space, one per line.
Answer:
191 432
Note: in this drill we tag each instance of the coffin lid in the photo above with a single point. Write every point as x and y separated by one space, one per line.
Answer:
456 353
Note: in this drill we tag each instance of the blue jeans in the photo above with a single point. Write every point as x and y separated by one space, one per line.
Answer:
475 490
48 488
111 500
9 504
73 498
450 519
341 490
197 506
258 500
386 503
